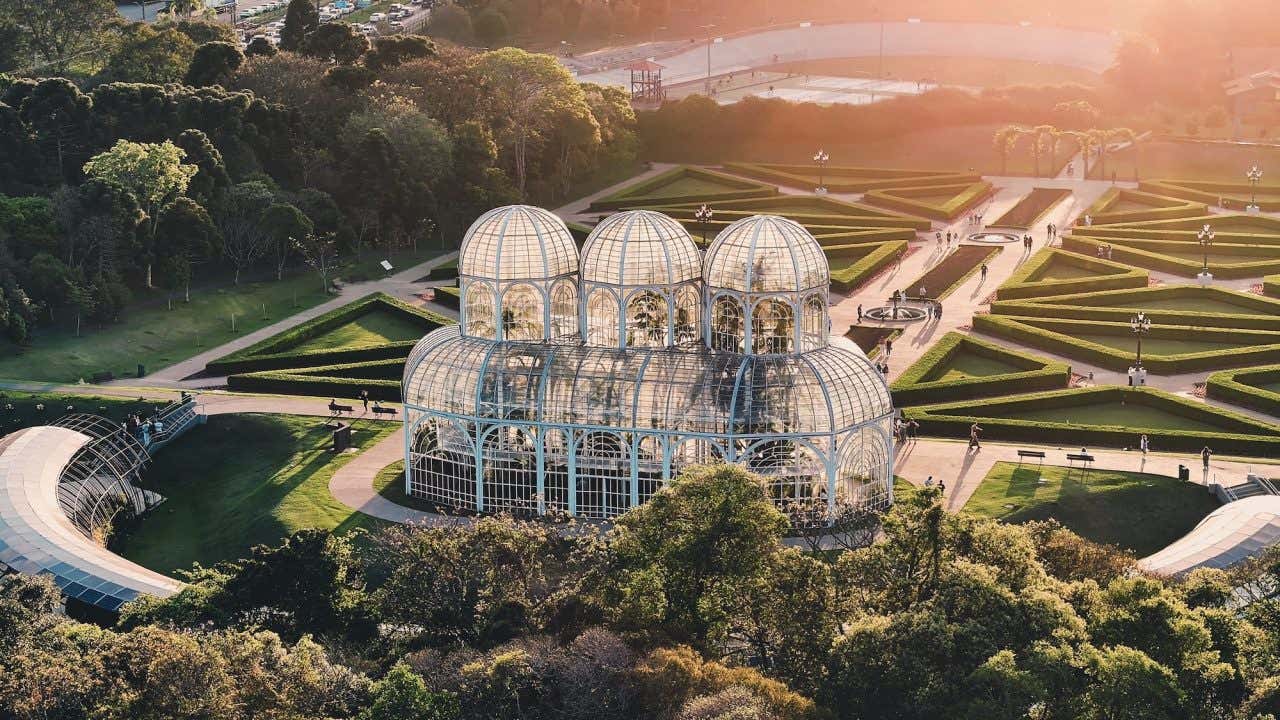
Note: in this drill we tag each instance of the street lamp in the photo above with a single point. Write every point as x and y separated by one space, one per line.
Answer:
1255 177
710 42
1205 236
1140 324
821 157
704 215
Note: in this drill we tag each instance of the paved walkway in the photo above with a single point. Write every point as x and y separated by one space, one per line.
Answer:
402 285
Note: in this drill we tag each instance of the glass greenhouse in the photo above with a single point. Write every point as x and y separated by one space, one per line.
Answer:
583 383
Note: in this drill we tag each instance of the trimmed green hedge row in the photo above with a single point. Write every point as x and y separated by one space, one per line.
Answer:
1126 231
967 195
1211 192
827 223
1240 435
1155 260
863 264
1025 280
847 179
1161 208
1225 222
1060 337
1258 313
951 271
381 378
649 192
912 387
1031 208
276 351
450 297
1231 386
1271 285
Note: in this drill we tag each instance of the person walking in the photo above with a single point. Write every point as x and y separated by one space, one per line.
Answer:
859 313
888 347
937 311
938 235
974 431
1143 443
984 272
913 428
364 398
1205 455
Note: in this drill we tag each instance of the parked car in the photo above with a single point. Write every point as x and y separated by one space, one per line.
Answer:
377 17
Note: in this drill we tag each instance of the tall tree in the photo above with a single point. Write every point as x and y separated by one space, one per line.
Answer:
185 235
375 167
335 42
529 93
300 19
154 173
287 226
239 220
62 30
214 63
61 117
149 54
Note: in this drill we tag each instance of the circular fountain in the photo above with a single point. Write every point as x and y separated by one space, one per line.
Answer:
992 237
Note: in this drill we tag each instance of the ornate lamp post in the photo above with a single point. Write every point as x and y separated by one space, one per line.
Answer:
703 215
821 157
1140 324
1205 236
1255 177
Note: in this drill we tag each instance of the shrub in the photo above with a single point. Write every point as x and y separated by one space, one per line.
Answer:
1254 259
851 266
380 377
1243 387
1256 312
450 297
1271 285
1211 192
914 386
1239 435
966 196
1031 208
845 179
1027 280
1103 211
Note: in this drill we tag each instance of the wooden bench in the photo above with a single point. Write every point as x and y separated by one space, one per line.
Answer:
1085 460
379 410
337 409
1023 454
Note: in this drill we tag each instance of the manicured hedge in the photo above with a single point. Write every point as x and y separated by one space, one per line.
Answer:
840 178
1139 231
1032 207
869 337
911 387
343 381
276 351
1060 337
939 280
1102 211
816 223
1152 258
852 265
1271 285
649 192
967 195
1257 313
447 271
1211 192
1240 435
450 297
1241 387
1025 280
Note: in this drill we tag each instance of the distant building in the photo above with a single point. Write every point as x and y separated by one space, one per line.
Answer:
1253 99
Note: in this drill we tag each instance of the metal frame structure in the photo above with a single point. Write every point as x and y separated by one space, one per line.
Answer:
724 358
101 479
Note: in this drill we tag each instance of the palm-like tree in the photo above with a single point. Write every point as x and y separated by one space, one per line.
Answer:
186 8
1128 135
1005 139
1040 138
1085 141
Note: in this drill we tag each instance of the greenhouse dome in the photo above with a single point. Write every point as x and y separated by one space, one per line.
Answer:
592 424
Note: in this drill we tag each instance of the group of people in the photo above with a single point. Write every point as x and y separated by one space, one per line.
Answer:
947 238
975 219
1052 231
136 426
1104 251
904 430
1027 242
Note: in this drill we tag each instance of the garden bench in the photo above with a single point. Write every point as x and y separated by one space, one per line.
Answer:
337 409
1022 454
379 410
1085 460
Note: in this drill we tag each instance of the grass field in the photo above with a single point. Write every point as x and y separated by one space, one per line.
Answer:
374 328
950 149
155 336
1188 161
19 409
1062 270
1136 511
1112 413
389 483
971 71
970 365
240 481
690 186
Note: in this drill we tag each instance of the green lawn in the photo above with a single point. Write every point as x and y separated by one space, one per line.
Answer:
1063 270
240 481
157 337
374 328
389 483
1159 346
1112 413
24 411
1136 511
690 186
970 365
1194 304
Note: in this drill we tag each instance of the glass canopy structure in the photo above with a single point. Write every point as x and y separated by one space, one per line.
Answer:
583 384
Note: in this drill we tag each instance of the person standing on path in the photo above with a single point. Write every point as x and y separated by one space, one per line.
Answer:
888 348
1205 456
1143 443
984 272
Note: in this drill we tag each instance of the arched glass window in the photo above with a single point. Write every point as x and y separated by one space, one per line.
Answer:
564 310
480 311
522 317
815 323
647 320
688 305
728 328
602 318
773 327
